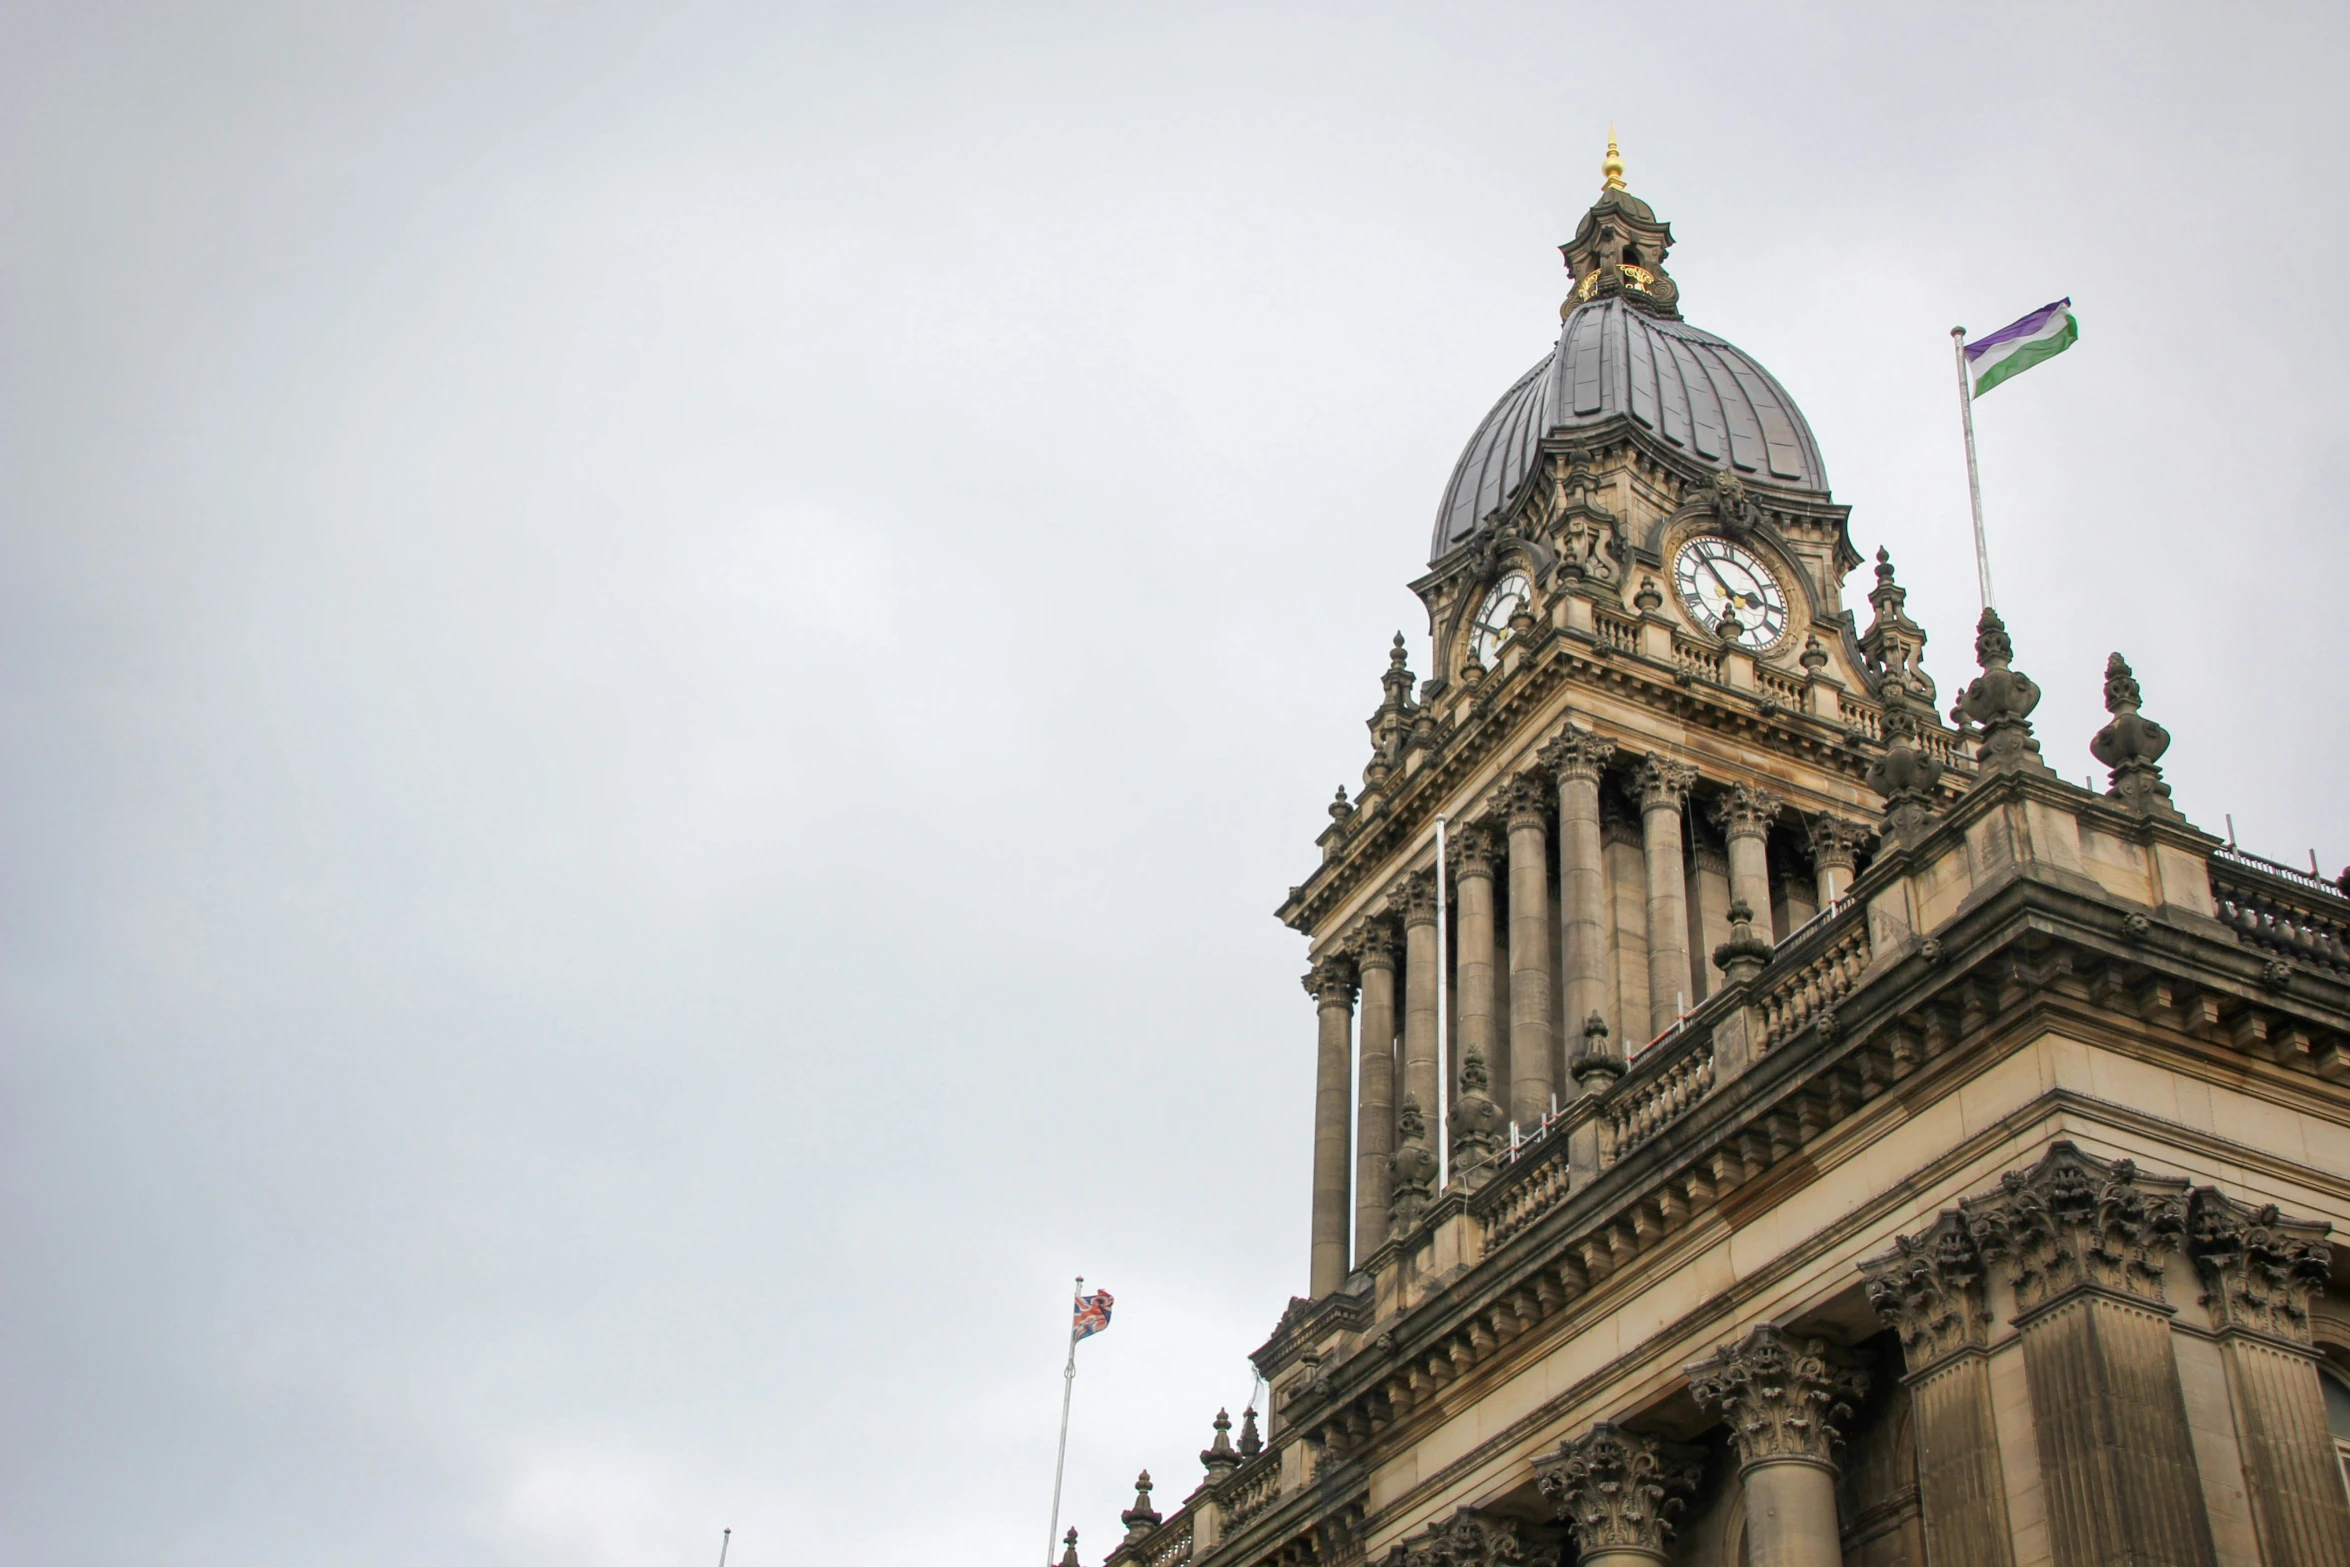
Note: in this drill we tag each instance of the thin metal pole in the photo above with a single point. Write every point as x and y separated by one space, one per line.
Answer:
1068 1385
1443 1018
725 1538
1974 477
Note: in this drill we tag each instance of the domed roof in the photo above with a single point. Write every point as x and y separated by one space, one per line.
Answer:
1698 394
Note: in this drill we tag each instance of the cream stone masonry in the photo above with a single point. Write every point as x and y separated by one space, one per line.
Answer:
1868 1149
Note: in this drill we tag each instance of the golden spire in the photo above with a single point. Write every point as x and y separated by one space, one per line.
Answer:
1612 166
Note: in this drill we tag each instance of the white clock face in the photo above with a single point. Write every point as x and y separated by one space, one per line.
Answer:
1716 579
1511 594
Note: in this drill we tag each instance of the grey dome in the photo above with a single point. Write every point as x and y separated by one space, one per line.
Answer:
1699 395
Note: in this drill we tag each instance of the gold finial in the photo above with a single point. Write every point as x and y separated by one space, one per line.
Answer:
1612 166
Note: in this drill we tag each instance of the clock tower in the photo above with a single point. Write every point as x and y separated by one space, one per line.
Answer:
1764 1117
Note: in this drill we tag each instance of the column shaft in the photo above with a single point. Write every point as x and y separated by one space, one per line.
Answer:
1577 757
1420 1067
1473 882
1791 1515
1664 785
1332 984
1375 1077
1531 1085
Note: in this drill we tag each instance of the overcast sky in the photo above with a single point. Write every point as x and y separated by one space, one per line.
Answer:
659 666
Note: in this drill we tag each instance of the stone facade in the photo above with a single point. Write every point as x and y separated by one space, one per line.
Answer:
1846 1143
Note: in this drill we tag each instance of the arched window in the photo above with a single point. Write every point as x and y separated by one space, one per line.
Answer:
2338 1418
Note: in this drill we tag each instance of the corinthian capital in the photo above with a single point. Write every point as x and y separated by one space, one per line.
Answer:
2074 1221
1472 1539
1663 783
2259 1269
1576 753
1418 897
1375 947
1835 841
1780 1396
1331 981
1526 797
1618 1488
1930 1287
1472 854
1746 812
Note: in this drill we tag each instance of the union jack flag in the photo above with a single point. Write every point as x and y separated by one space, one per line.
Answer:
1093 1315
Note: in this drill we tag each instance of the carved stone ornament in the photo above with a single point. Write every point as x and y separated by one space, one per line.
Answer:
1904 775
1618 1488
2131 744
1595 1065
1411 1169
1835 841
1141 1518
1781 1396
1734 505
1930 1288
1664 783
2259 1269
1376 947
1419 898
1746 811
1331 981
1577 754
1527 797
1893 649
1472 853
1219 1458
1472 1539
1479 1126
1745 955
1069 1550
1586 539
1250 1443
2001 700
2074 1221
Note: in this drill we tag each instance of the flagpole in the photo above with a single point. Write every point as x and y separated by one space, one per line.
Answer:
1068 1386
1974 478
1443 1017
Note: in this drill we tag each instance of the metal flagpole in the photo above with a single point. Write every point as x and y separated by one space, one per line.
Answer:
1974 478
1068 1386
1443 1019
725 1539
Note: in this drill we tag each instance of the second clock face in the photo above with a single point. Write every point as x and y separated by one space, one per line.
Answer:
1511 594
1717 578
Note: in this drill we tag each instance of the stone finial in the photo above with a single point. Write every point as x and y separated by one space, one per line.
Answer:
1069 1551
1411 1169
1730 628
1814 657
1472 667
2131 744
1219 1458
1478 1124
2001 700
1472 1539
1930 1288
1745 811
1663 782
1141 1518
2259 1269
1648 600
1894 647
1251 1444
1595 1064
1397 681
1781 1396
1342 809
1745 955
2074 1221
1835 841
1619 1489
1904 775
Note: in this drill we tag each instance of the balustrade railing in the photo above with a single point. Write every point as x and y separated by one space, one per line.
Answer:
1789 1004
2293 914
1615 632
1641 1109
1251 1493
1703 663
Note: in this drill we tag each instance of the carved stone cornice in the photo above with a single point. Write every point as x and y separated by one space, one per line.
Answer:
1470 1538
1376 947
2259 1269
1746 811
1472 854
1781 1396
1663 783
1528 794
1331 981
1576 754
1418 897
1930 1288
1835 841
1618 1488
2075 1221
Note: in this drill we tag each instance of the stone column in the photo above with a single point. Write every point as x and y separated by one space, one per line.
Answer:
2082 1241
1576 759
2259 1272
1531 1085
1375 1088
1620 1490
1781 1396
1332 985
1834 843
1420 957
1664 786
1472 875
1930 1288
1745 815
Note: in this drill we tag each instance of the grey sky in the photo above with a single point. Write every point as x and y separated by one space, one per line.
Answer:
658 666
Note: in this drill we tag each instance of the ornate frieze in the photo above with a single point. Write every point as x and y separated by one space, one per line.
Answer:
1663 783
2074 1221
1781 1396
1746 811
1618 1488
1576 753
1470 1538
1930 1287
2259 1269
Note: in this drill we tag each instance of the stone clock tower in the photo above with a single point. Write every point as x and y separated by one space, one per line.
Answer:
1784 1126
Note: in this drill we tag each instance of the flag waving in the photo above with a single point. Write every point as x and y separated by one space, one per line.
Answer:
2045 333
1093 1315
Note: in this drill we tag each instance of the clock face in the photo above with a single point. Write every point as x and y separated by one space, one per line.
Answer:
1511 594
1717 578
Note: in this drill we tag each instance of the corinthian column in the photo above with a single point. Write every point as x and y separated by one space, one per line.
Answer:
1930 1288
2260 1270
1780 1397
1620 1490
1745 815
1834 843
1375 1089
1332 985
1530 1081
1420 957
1664 787
1472 868
1576 758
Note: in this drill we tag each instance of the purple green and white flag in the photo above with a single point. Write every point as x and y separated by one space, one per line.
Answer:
2045 333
